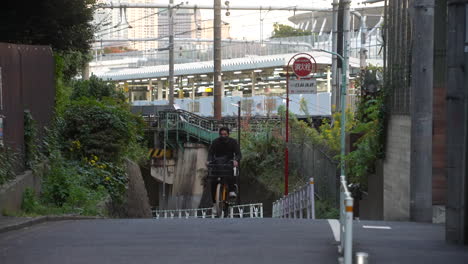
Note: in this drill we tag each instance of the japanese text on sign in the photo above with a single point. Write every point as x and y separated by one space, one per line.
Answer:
302 86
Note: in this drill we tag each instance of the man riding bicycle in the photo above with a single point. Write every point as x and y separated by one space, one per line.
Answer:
223 151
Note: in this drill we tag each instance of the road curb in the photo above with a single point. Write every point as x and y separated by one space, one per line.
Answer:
42 219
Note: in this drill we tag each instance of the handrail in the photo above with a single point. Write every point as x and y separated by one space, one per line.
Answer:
236 211
346 222
298 204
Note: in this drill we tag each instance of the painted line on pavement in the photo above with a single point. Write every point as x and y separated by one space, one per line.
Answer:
376 227
335 227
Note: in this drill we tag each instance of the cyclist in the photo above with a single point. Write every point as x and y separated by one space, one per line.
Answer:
222 151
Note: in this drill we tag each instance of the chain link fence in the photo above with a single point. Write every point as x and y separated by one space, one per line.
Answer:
311 161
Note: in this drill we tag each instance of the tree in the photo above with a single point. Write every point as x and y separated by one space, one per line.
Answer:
283 31
65 25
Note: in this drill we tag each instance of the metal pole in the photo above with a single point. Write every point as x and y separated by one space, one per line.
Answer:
239 142
335 80
171 52
217 96
164 166
286 151
348 248
344 84
312 197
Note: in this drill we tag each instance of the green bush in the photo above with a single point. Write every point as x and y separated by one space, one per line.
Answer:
325 210
67 189
31 144
95 128
29 203
95 88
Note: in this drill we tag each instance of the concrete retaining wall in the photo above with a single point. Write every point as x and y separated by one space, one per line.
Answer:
396 169
11 193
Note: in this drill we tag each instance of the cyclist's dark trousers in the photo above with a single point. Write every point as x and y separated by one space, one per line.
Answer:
225 170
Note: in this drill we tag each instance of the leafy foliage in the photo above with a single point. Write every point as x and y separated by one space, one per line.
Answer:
95 88
262 157
330 132
369 122
31 145
8 158
105 130
63 24
93 132
66 187
282 31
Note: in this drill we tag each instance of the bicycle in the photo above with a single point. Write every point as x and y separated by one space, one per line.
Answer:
221 173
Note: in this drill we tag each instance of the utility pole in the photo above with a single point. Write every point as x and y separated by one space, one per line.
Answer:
335 79
217 60
457 122
363 50
421 111
346 37
171 51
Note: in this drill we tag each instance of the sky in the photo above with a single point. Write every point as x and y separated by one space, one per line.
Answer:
246 24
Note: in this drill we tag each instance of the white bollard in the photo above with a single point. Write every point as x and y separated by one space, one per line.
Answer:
362 258
301 202
348 247
312 197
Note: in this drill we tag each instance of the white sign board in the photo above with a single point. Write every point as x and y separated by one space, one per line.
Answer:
302 86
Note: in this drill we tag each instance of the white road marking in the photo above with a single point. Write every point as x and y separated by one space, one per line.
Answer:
335 227
376 227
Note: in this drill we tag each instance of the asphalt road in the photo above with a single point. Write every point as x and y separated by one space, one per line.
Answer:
188 241
175 241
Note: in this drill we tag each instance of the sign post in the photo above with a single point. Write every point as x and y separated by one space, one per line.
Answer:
303 64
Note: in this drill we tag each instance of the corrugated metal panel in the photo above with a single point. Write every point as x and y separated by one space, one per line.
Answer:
27 82
38 85
12 110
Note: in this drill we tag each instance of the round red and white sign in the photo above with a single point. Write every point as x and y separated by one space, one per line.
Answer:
302 66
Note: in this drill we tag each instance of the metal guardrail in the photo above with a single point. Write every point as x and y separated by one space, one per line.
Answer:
236 211
346 222
298 204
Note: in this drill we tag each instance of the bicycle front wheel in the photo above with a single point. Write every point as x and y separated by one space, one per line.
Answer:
220 198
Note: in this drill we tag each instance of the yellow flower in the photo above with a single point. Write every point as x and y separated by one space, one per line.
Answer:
95 158
107 178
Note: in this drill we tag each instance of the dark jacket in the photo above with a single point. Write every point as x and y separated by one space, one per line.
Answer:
225 149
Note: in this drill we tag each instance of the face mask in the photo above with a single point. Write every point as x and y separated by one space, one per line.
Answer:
224 139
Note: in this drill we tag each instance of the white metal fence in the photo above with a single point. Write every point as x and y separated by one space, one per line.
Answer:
236 211
346 222
298 204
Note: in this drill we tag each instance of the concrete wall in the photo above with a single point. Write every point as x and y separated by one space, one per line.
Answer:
187 189
396 169
11 193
